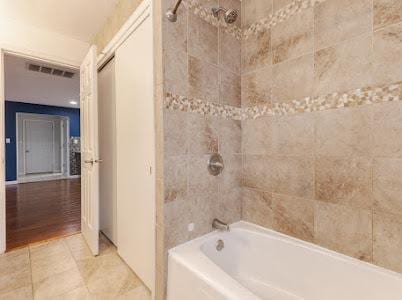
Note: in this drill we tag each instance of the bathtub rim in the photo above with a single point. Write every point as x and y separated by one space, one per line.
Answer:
195 245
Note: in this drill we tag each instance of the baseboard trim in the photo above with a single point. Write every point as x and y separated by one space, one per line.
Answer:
11 182
73 176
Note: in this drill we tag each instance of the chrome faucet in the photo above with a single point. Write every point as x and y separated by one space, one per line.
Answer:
218 224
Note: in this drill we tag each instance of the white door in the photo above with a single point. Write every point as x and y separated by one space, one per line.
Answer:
136 152
39 146
107 150
89 152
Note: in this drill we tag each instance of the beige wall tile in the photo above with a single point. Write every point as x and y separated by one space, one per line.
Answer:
257 136
203 134
280 4
230 136
175 174
257 172
387 185
293 135
23 293
199 179
255 10
257 207
344 132
293 176
229 52
256 51
388 54
387 244
293 216
387 129
293 79
204 208
345 66
177 217
344 181
202 39
230 205
387 12
231 177
175 71
343 229
175 133
230 88
294 37
340 20
175 34
257 87
203 80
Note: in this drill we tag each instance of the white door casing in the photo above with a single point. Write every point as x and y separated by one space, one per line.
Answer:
39 146
135 132
89 151
2 159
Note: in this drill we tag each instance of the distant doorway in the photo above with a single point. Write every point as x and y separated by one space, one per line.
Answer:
43 165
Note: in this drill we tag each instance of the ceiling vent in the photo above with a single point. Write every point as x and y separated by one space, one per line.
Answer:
50 70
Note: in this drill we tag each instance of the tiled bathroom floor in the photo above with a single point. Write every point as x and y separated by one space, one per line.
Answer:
65 269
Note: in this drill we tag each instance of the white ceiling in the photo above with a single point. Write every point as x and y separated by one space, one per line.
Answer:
22 85
80 19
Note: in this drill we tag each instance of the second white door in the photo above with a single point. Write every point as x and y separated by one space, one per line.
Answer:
39 144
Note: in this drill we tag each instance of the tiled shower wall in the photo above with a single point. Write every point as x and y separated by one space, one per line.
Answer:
201 61
322 128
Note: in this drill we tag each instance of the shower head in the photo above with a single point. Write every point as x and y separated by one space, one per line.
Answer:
230 15
171 14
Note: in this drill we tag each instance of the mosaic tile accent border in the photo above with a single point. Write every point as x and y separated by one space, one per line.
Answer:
363 96
185 104
206 15
279 16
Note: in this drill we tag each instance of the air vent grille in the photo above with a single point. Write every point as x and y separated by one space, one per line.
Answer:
50 70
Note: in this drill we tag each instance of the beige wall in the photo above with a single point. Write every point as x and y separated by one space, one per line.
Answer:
121 13
331 176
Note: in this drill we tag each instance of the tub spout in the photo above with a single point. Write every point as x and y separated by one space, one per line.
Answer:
218 224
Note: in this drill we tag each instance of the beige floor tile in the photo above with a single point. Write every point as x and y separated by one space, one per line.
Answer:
15 270
50 259
80 293
58 284
78 247
107 275
23 293
139 293
105 246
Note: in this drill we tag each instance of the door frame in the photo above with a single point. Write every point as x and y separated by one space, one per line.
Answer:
26 53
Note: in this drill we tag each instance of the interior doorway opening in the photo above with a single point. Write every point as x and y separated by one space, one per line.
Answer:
42 151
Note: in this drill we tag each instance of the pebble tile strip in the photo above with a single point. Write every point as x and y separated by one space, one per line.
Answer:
363 96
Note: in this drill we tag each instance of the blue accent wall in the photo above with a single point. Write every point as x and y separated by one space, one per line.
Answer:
12 108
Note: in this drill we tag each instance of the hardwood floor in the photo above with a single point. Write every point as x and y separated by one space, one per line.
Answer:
42 210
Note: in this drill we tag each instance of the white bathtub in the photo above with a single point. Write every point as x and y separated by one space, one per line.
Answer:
257 263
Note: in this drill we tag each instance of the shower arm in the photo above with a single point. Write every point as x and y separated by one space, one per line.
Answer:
176 7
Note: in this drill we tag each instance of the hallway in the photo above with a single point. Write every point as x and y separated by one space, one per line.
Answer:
65 269
41 211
